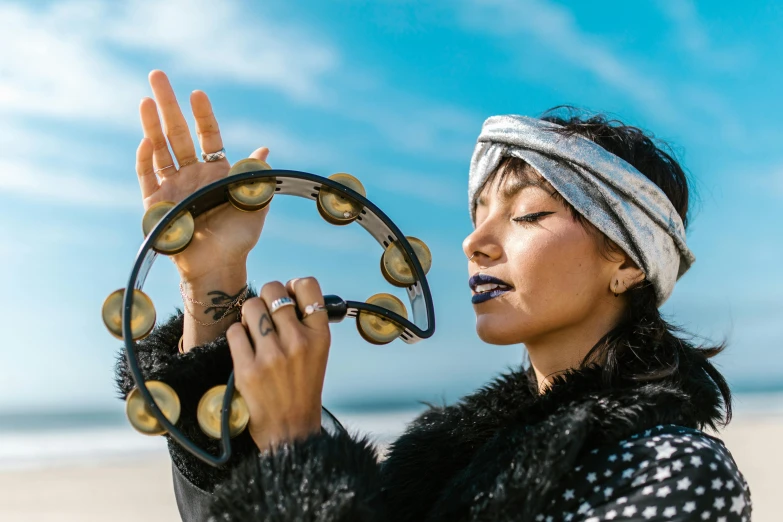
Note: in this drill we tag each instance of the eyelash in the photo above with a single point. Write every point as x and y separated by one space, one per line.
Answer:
531 218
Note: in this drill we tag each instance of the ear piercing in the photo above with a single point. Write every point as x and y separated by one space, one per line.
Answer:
617 282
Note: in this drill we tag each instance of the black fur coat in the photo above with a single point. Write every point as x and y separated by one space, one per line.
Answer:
584 451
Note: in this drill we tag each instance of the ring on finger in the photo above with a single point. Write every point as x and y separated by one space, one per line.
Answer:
191 161
158 171
282 302
214 156
313 309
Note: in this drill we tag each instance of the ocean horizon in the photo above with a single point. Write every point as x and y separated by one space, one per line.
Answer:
42 439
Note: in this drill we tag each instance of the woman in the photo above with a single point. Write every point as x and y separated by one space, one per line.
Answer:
579 238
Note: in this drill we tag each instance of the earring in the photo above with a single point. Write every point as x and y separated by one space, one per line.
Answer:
616 282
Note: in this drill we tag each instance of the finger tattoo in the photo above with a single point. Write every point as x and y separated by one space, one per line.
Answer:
265 325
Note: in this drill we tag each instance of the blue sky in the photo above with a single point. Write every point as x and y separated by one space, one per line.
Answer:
394 93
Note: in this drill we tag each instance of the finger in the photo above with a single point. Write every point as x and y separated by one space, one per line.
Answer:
145 169
150 124
307 292
241 348
260 153
288 327
259 372
174 125
206 124
258 321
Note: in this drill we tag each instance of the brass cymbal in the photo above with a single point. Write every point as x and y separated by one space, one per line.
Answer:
139 413
251 195
142 318
376 329
336 208
179 233
209 408
396 269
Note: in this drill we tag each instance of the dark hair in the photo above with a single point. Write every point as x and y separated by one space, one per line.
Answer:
642 346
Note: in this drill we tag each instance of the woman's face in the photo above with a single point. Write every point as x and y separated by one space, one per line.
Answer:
554 278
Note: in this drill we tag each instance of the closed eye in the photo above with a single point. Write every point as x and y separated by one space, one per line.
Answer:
531 218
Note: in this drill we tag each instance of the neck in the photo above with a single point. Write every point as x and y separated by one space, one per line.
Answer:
564 349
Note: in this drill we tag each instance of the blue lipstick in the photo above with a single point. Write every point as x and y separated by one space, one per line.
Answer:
486 287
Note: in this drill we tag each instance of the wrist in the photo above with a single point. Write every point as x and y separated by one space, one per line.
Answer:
212 303
270 437
226 275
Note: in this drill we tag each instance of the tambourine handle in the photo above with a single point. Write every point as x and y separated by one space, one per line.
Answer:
336 308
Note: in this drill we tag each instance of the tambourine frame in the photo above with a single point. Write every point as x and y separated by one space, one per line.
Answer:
289 182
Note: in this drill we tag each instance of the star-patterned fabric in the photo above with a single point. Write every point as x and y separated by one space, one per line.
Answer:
668 473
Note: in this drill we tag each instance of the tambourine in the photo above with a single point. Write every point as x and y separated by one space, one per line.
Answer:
153 407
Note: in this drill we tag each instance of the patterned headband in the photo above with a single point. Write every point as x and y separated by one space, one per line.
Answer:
609 192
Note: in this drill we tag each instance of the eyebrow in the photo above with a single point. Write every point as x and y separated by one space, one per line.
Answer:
510 189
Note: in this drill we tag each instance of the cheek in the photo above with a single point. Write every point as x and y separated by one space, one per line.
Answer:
557 265
557 276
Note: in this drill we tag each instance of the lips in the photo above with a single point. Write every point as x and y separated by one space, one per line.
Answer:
486 287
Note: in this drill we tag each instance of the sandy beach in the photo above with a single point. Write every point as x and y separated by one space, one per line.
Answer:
140 488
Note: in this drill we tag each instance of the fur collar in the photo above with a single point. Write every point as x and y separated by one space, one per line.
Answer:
507 439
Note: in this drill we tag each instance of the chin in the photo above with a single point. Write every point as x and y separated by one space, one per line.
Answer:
499 329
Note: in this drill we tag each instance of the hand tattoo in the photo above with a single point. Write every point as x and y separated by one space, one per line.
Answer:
221 298
265 325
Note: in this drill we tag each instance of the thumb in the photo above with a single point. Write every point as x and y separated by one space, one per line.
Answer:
260 153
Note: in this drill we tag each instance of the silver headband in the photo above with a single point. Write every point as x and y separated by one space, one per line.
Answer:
609 192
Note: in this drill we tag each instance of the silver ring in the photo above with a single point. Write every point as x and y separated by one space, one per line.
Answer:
214 156
313 309
282 302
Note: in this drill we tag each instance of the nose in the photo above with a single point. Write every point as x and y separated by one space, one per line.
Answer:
481 245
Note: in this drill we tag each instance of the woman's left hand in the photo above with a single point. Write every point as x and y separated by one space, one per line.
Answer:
280 362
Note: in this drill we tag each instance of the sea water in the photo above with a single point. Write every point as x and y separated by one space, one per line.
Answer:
45 439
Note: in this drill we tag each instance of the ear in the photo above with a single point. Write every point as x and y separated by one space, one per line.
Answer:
626 275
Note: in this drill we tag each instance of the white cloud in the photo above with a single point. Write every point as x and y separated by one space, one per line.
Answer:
692 36
23 140
285 148
72 63
316 233
677 101
436 189
62 59
64 64
222 41
52 183
423 126
290 151
773 181
50 67
556 27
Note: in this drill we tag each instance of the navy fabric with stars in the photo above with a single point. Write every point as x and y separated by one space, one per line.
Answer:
666 473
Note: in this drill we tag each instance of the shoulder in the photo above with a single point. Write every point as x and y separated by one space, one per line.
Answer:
666 473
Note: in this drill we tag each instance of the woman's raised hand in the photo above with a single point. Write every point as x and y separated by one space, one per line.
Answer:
223 236
280 361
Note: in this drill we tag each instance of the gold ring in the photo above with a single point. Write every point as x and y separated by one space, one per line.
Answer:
191 161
